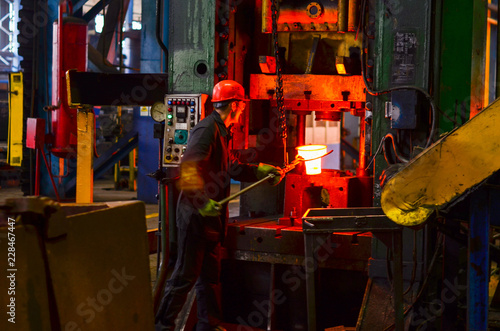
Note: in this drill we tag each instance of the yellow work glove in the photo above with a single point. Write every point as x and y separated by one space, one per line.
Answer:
211 208
264 170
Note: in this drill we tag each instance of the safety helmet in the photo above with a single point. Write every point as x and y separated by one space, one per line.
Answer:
228 90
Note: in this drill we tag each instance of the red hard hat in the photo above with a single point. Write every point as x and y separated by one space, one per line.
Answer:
228 90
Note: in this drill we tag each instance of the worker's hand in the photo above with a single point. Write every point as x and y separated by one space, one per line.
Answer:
264 170
211 208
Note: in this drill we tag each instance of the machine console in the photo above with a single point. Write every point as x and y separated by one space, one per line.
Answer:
183 112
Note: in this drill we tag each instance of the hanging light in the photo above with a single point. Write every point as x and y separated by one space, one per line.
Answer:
312 154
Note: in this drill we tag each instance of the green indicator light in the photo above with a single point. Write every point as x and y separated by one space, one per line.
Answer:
169 116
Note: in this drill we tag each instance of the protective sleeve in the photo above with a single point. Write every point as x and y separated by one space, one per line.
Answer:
243 172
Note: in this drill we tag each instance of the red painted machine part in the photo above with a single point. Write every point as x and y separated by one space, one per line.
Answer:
74 49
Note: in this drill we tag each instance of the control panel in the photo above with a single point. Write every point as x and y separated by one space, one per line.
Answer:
183 112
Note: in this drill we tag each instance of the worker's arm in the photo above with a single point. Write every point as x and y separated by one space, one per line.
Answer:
191 180
245 172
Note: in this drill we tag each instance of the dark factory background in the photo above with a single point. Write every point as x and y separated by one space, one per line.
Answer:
395 228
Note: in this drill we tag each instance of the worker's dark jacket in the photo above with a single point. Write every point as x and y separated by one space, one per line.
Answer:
206 170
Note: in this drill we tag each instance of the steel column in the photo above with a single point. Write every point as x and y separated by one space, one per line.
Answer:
361 171
309 248
478 56
478 262
397 240
85 157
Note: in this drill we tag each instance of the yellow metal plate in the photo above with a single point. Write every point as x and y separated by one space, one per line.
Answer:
85 158
456 163
15 150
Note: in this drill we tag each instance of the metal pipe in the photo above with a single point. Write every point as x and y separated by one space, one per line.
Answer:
62 3
158 30
352 19
301 129
285 170
342 15
50 175
37 171
162 233
162 248
361 171
161 268
246 189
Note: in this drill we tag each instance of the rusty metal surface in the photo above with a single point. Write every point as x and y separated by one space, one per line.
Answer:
323 88
271 242
330 189
300 15
347 219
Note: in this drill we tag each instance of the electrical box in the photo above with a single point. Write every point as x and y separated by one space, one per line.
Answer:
183 112
402 109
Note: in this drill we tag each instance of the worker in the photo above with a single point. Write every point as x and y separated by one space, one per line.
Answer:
205 173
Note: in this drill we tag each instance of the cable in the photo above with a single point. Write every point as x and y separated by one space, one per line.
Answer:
402 159
414 271
158 32
424 284
382 147
376 153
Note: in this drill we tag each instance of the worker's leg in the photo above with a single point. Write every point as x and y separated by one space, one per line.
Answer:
191 251
209 314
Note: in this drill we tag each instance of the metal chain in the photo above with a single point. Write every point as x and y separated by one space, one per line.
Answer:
279 77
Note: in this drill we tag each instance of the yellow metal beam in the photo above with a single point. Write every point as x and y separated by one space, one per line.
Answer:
15 136
449 168
85 157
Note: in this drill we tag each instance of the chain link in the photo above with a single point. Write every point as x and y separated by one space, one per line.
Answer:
279 78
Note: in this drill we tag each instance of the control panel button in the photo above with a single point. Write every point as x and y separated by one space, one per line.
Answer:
182 114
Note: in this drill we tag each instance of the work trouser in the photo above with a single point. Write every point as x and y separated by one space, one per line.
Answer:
197 265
